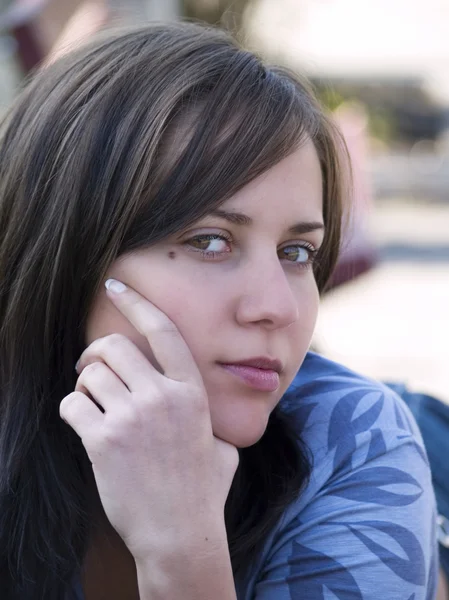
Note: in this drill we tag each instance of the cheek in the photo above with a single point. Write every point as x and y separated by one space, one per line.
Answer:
302 331
311 308
308 299
197 314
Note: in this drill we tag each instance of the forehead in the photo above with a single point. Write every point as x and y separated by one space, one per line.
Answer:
291 188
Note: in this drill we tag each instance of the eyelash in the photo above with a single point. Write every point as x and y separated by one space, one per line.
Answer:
208 254
312 251
211 254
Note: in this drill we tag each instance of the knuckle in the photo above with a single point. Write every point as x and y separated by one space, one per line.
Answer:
115 340
106 346
96 446
161 326
69 403
101 345
102 440
151 399
127 420
66 402
117 432
111 436
92 370
130 298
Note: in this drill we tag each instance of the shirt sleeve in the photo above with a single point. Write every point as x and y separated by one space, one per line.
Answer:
366 531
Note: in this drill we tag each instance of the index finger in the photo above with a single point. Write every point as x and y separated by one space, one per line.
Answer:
168 346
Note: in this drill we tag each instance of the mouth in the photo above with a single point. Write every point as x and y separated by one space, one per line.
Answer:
260 373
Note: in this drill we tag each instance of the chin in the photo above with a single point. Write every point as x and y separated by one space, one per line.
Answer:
243 434
241 419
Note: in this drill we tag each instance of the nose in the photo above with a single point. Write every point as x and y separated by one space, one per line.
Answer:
266 298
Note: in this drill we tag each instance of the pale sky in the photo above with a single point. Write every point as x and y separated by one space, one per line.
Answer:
360 37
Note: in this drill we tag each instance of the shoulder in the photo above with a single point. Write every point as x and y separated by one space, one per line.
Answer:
322 384
339 413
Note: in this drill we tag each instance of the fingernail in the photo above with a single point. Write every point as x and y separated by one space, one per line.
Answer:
114 286
77 365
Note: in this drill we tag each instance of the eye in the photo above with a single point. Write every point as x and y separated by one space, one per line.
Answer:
301 255
209 244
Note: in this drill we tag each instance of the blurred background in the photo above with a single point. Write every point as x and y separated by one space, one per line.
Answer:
382 68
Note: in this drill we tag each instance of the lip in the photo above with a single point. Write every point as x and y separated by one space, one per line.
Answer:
260 373
260 362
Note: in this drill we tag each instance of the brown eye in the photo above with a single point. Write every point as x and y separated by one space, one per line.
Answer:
300 255
210 244
200 242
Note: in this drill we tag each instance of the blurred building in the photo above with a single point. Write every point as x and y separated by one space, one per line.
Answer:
374 38
389 52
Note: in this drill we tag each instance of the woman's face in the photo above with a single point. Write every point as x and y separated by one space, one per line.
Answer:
239 285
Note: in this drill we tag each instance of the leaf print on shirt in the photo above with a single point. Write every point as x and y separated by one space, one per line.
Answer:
343 415
377 446
412 568
311 571
366 486
302 414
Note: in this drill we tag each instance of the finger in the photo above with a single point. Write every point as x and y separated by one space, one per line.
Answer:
103 385
123 358
78 411
167 343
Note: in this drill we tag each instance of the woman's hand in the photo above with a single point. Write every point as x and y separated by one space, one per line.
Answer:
162 476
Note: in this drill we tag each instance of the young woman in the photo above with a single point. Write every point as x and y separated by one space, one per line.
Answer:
170 209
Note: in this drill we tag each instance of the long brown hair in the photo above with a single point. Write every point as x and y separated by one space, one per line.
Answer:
115 146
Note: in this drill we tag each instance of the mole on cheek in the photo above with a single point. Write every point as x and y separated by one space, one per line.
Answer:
172 254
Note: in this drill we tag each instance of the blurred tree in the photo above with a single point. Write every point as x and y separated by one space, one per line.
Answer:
226 13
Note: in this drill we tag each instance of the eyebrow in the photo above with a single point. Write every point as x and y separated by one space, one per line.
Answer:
237 218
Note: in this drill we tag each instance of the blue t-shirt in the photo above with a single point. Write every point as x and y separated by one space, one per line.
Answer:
364 528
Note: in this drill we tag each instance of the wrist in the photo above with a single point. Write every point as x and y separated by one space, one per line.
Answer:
198 570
